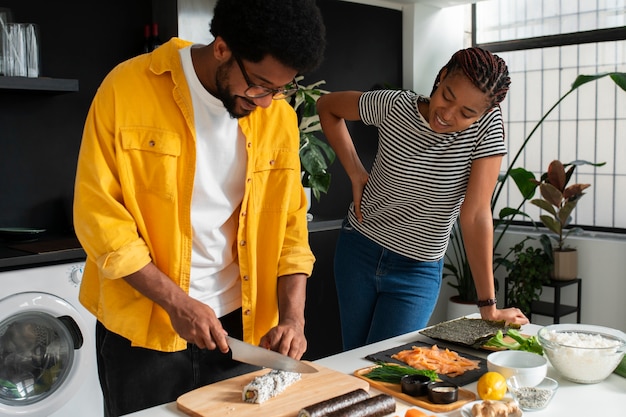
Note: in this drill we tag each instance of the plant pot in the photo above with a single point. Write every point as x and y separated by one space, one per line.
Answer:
460 308
565 264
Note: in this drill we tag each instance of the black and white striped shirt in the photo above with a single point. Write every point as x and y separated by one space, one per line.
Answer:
419 177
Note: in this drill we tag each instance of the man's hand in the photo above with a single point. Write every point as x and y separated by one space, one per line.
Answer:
193 320
287 339
197 323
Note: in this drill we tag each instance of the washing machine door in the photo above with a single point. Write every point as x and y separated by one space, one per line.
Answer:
40 357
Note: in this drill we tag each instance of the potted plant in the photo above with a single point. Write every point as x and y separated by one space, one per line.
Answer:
315 154
456 264
558 201
527 272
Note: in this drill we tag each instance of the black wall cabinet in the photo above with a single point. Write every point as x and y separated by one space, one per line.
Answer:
41 120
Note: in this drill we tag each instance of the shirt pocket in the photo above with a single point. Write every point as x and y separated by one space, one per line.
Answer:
150 159
273 179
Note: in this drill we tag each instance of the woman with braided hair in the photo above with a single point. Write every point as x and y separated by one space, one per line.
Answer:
438 158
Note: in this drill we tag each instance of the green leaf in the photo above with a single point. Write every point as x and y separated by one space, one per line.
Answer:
544 205
620 79
551 194
310 124
522 178
566 211
551 224
507 212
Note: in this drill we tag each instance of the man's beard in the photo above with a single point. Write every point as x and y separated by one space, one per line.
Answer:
223 93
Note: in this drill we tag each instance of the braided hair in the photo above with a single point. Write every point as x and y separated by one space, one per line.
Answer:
488 72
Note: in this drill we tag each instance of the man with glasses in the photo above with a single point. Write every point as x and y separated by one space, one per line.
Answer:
189 205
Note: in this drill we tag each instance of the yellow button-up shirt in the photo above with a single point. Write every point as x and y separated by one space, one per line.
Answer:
133 191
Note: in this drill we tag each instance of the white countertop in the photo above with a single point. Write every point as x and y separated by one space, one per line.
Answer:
571 399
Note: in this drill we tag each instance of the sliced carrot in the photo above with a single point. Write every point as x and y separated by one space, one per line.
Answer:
414 412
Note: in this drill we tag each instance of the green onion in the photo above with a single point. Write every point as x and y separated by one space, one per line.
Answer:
386 372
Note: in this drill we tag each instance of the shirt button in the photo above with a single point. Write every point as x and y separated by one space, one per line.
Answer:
243 214
246 278
242 243
249 144
247 312
272 162
249 179
151 143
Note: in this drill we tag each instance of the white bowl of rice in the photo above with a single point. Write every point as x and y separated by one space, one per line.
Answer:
583 353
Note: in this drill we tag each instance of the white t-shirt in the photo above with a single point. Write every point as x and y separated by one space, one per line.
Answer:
217 195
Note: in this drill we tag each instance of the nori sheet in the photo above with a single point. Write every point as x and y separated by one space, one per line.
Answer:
465 331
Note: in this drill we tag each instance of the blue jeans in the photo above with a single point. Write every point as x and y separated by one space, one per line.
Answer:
381 293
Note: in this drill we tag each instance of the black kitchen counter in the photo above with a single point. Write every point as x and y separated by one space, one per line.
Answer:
322 224
46 250
53 249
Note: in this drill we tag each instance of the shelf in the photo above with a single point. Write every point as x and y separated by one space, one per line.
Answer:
544 308
43 84
554 309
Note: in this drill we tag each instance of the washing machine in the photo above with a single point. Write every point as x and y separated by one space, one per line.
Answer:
47 345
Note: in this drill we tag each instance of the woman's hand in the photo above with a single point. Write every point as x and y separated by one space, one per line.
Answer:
510 315
358 185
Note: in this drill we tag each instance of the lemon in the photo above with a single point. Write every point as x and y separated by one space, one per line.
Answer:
491 386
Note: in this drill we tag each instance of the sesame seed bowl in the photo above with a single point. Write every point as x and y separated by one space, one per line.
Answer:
532 398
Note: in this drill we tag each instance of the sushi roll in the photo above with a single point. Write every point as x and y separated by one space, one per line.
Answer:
266 386
377 406
322 408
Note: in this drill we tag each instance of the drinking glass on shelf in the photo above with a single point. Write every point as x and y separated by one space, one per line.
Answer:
5 17
15 50
33 61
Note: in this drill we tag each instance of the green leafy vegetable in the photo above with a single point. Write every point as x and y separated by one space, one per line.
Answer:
528 344
386 372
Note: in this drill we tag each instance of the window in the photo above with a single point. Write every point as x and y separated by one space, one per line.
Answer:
547 44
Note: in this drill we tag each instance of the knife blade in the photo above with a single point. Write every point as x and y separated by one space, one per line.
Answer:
255 355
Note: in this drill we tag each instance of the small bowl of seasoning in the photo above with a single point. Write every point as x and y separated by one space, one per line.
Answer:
415 385
443 392
532 398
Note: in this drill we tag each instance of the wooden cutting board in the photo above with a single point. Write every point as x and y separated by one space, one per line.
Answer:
464 396
224 398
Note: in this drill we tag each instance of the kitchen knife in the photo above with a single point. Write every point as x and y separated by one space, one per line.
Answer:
255 355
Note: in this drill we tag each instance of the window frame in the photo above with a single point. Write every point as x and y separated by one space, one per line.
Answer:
539 42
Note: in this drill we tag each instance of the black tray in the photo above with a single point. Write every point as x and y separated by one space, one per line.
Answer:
467 378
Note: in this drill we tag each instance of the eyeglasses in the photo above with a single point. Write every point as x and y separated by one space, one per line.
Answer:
259 91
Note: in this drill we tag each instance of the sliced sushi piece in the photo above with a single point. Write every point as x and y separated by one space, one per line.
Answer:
266 386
